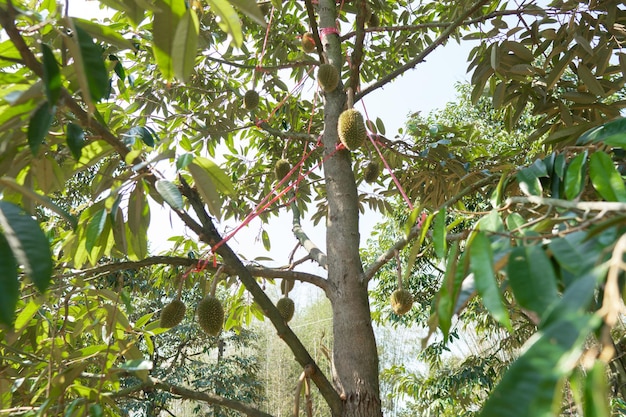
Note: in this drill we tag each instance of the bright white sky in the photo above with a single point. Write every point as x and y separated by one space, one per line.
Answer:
428 87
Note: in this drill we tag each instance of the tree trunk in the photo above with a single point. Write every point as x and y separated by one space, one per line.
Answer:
355 355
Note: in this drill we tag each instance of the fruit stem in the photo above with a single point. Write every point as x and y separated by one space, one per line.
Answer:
398 269
216 279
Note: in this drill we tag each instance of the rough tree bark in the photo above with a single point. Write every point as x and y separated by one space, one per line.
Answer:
355 355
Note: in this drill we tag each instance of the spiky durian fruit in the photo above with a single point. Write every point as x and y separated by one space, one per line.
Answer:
286 307
250 100
172 314
351 129
281 169
327 77
401 301
286 286
210 315
308 42
371 172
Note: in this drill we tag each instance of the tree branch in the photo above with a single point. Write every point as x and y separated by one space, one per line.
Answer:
314 252
211 236
428 25
189 394
294 64
571 205
287 135
256 271
422 55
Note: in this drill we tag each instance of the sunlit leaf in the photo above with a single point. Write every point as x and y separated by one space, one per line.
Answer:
94 229
596 392
185 45
164 26
229 21
170 193
28 243
532 380
140 132
206 188
612 133
439 234
251 9
605 178
93 66
103 33
218 176
481 265
9 284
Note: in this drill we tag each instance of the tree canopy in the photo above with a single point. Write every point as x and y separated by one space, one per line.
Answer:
229 111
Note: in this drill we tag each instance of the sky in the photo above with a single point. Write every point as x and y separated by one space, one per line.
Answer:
426 88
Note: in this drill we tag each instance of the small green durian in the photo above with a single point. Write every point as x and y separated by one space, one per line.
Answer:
286 307
401 301
250 100
172 314
328 77
351 129
210 315
281 169
371 172
308 42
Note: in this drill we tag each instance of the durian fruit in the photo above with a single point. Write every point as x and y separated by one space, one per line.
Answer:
401 301
371 172
250 100
286 307
286 286
172 314
308 42
351 129
281 169
210 315
328 77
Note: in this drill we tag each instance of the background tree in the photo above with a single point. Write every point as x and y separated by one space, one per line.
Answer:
134 97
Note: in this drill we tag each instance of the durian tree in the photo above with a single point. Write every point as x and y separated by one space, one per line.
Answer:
199 106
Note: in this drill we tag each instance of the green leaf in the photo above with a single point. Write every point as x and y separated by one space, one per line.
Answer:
533 379
92 65
605 178
448 292
575 176
219 178
532 278
75 139
411 221
28 243
140 132
574 252
481 265
439 233
136 365
206 189
251 9
170 194
184 160
612 133
103 33
166 17
265 237
596 392
39 125
229 21
9 284
51 75
94 229
138 220
380 126
185 45
528 178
